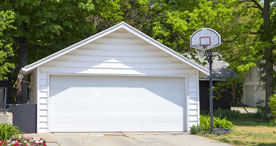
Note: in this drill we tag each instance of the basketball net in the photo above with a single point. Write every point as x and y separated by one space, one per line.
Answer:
200 53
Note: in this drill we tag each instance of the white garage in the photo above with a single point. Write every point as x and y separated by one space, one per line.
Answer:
117 80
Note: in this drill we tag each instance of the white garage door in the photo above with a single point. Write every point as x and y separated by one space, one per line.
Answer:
89 103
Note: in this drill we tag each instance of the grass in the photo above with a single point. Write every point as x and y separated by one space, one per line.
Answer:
248 131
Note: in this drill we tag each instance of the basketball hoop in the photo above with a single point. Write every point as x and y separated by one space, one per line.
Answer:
202 40
205 38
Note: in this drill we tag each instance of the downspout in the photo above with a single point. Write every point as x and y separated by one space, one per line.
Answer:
22 73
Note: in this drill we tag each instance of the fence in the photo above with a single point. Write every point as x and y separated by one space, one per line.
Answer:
3 99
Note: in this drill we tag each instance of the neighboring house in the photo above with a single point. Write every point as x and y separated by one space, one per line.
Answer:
253 88
253 91
117 80
220 74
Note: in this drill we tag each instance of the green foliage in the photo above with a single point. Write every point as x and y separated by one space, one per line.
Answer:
261 113
217 123
222 123
234 85
272 105
205 122
48 26
6 20
229 114
195 129
239 24
220 113
204 112
8 131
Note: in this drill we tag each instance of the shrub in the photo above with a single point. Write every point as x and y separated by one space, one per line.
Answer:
8 131
272 105
195 129
204 112
205 122
222 123
229 114
217 123
261 110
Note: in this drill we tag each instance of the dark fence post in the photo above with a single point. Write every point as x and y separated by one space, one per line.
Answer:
3 99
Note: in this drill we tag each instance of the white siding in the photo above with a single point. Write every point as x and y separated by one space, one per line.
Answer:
193 99
118 54
42 102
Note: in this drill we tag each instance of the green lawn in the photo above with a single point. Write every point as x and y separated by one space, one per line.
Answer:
248 131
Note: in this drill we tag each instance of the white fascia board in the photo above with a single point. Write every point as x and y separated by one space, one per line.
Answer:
126 26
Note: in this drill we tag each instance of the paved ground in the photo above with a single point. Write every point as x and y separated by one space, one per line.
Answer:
250 110
126 139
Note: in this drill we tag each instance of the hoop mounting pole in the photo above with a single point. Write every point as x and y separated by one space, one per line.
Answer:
209 56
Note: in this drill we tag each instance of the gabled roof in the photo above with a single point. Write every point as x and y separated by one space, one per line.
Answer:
28 68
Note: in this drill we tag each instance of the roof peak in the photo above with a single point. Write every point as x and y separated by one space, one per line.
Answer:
130 29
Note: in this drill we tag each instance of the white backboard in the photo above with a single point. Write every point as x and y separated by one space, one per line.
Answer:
205 38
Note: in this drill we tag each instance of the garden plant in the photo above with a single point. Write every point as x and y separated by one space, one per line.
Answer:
11 136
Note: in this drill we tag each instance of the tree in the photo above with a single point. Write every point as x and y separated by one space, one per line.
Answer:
245 27
266 37
44 27
236 21
6 20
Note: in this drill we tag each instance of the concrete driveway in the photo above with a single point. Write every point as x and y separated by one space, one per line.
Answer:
126 139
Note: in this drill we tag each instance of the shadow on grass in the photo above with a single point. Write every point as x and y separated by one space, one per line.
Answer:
266 144
250 120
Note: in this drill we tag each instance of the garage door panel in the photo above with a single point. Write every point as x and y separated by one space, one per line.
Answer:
132 95
165 83
116 111
121 124
134 105
110 104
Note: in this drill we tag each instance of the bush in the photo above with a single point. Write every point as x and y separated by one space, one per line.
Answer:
229 114
272 105
8 131
222 123
217 123
205 122
204 112
261 110
195 129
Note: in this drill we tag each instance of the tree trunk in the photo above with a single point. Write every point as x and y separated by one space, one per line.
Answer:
22 63
267 36
9 94
234 94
